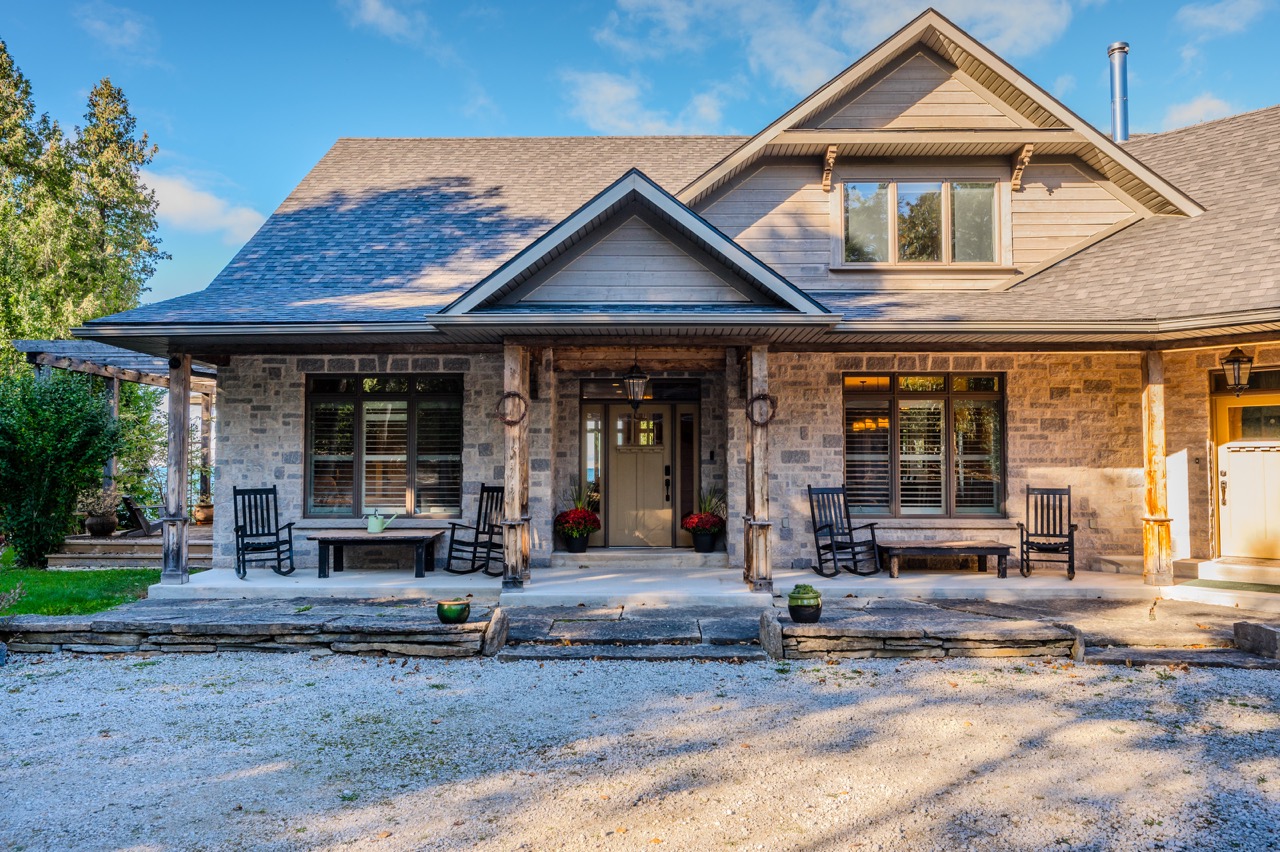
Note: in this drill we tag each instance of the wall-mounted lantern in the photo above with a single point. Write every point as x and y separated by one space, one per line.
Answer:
1236 366
635 381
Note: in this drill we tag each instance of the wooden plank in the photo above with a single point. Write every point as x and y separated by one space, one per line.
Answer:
1157 542
757 565
174 536
79 365
515 498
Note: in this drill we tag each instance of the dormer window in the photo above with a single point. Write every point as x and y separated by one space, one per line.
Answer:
908 223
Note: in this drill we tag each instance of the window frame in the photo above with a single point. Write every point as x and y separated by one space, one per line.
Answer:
949 395
411 398
1001 216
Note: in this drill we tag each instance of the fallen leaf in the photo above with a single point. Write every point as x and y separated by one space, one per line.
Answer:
383 835
745 745
606 798
436 721
954 685
620 830
968 724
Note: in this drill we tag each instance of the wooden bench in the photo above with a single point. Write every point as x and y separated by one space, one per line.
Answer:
893 550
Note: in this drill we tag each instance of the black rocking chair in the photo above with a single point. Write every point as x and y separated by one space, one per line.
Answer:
833 536
260 538
479 547
1048 535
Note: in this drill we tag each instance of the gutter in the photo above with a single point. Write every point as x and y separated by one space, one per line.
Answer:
106 331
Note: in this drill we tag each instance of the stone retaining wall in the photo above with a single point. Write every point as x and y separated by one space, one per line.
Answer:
862 637
215 627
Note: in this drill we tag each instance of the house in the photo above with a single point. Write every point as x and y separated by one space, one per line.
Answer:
929 281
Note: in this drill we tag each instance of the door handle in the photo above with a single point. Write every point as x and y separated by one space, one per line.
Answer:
667 485
1223 486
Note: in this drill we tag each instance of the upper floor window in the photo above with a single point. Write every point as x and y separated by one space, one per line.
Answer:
920 221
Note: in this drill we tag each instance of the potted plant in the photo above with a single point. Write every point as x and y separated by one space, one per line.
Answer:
577 524
706 524
804 603
99 508
202 511
455 611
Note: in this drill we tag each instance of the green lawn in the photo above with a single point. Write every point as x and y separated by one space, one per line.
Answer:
75 592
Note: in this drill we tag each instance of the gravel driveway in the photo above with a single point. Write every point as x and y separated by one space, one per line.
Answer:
255 751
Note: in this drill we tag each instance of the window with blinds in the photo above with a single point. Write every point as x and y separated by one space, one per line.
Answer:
390 443
924 444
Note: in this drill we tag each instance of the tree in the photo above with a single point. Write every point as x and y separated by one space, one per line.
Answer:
56 434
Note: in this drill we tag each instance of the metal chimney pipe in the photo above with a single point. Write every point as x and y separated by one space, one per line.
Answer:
1119 55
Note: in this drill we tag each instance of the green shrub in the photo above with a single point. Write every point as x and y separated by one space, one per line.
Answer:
55 436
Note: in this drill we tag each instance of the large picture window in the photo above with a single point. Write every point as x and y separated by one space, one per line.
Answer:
391 443
924 221
924 445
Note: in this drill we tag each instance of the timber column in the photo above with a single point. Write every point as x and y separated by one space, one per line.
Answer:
760 407
1157 541
513 409
175 494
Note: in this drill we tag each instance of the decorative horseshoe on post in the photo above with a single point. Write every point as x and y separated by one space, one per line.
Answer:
500 413
751 405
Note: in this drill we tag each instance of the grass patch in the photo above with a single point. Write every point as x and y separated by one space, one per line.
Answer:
75 592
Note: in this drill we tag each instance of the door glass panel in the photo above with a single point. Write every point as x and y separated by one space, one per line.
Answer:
972 222
866 222
920 222
593 456
438 475
920 460
688 447
332 453
977 456
867 464
386 455
1254 422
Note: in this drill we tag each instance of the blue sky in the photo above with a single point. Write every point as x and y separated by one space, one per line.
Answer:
243 98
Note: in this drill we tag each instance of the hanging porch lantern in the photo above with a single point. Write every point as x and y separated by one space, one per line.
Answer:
1236 366
635 382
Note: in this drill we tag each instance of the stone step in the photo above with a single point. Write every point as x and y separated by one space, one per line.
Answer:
1110 563
63 561
131 546
627 557
650 653
1203 657
1240 572
1258 601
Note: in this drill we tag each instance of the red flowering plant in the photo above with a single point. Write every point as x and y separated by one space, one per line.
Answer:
577 523
710 515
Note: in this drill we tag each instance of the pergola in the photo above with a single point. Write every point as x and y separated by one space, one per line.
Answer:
115 365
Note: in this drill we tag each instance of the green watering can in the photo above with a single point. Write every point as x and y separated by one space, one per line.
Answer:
378 523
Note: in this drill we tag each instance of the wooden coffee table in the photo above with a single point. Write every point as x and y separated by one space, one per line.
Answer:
423 542
986 549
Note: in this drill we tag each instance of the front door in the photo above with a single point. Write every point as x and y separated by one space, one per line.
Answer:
640 511
1248 487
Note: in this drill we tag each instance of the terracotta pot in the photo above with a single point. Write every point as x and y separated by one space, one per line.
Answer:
202 513
100 526
576 544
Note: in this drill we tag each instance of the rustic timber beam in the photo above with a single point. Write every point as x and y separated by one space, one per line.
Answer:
828 166
174 540
757 567
1157 542
514 409
1020 162
79 365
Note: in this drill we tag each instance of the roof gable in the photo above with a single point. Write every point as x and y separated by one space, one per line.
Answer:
633 246
1054 128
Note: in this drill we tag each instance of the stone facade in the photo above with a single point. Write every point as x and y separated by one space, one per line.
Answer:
1071 419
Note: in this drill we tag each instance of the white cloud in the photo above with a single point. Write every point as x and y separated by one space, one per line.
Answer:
1225 16
1063 86
1204 108
398 21
613 103
118 29
186 207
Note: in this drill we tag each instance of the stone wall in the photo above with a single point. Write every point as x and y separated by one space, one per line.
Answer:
260 438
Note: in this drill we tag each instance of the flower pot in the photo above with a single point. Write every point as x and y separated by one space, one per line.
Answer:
575 544
704 542
804 613
202 513
453 612
100 526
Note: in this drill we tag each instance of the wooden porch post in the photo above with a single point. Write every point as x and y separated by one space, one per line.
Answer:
113 400
757 568
206 442
515 507
1157 543
175 503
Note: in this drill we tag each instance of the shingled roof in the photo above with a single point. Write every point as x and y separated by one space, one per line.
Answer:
388 230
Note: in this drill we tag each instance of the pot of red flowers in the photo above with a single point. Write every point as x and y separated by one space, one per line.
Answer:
575 527
706 524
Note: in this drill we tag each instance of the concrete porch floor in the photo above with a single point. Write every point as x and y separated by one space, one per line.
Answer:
655 587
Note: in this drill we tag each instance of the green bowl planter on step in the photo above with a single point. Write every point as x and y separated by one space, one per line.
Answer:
453 612
804 604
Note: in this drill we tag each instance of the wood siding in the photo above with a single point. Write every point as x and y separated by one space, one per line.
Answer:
632 265
922 92
1057 208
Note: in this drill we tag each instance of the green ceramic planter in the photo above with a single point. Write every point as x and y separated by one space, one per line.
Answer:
804 605
453 612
